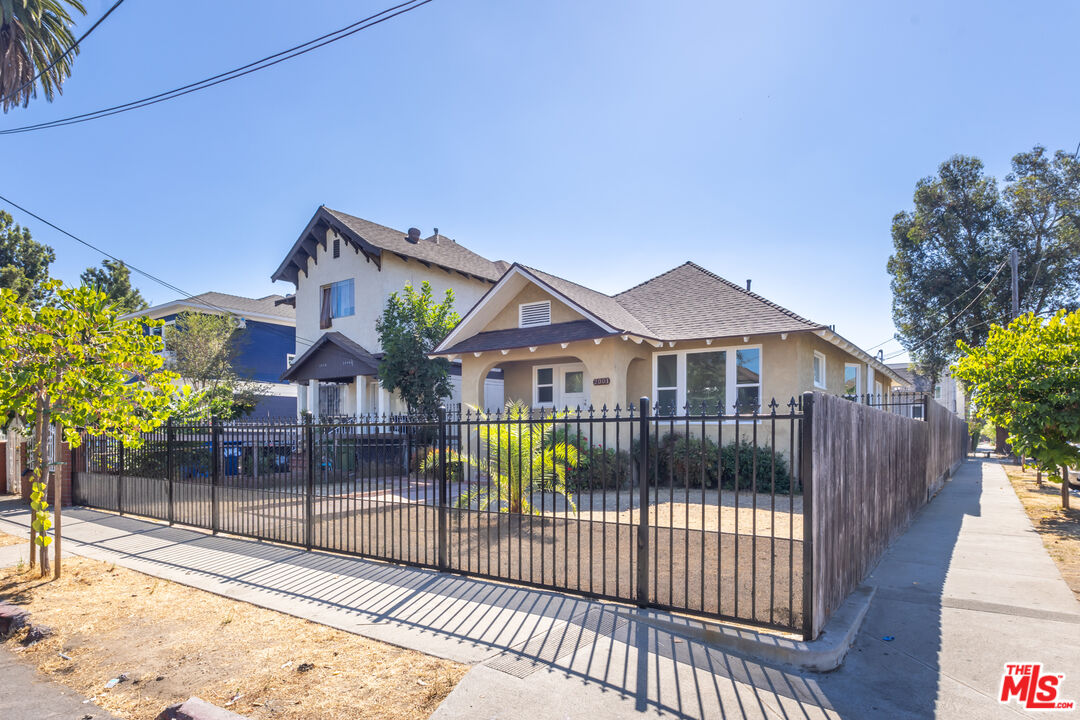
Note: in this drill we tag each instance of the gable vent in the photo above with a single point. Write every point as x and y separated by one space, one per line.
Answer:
533 314
337 247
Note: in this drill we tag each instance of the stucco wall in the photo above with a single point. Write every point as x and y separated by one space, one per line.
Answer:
508 316
372 286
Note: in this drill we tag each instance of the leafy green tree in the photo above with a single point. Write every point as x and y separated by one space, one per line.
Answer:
203 349
1026 378
24 262
114 279
961 229
34 34
517 460
411 326
950 242
75 363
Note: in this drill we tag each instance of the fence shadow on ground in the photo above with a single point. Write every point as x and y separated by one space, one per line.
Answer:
511 629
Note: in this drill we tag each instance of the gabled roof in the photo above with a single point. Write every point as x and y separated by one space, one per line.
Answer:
372 240
527 337
331 356
267 307
604 307
691 303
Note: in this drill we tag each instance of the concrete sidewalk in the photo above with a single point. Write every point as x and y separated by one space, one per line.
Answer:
966 590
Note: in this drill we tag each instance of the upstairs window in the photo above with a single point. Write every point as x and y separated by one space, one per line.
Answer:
534 314
337 301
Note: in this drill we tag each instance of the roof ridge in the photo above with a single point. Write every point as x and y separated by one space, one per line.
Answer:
654 277
740 288
363 220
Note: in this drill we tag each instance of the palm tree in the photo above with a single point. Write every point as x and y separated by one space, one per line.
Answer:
520 455
34 37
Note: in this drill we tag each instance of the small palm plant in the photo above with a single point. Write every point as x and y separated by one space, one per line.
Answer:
519 455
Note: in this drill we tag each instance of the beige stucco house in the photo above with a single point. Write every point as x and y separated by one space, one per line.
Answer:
683 338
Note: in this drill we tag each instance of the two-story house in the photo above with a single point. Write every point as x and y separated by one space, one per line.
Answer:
266 343
344 269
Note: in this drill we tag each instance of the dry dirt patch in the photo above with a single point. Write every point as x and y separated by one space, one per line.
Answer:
1058 528
6 540
172 641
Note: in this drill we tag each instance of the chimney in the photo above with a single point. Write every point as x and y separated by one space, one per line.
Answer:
747 284
436 236
414 235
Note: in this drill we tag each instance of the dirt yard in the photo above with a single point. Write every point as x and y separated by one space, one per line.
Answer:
1059 529
167 642
6 540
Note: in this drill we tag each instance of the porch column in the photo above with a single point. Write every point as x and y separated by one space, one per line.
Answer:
313 397
384 400
361 395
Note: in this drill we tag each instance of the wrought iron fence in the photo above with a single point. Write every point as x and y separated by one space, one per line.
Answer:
699 512
908 404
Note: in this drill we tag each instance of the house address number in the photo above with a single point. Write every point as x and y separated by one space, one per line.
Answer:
601 381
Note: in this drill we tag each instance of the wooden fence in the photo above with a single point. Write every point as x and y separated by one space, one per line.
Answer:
870 471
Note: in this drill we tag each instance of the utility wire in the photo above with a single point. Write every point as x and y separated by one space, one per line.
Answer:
67 52
943 308
155 278
260 64
934 334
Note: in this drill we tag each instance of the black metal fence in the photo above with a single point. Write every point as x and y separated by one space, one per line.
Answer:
700 512
908 404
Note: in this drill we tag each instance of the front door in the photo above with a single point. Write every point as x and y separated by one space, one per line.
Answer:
574 393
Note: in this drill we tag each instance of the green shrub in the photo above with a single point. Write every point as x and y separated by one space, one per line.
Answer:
680 461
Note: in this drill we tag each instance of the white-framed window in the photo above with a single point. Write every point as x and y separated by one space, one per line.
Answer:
290 358
937 391
879 389
917 411
338 300
544 386
721 378
852 379
819 370
534 314
161 332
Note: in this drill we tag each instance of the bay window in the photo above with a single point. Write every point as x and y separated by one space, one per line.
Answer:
725 380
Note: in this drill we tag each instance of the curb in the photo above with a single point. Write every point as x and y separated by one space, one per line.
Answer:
821 655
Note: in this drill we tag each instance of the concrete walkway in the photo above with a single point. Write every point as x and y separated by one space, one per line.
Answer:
966 590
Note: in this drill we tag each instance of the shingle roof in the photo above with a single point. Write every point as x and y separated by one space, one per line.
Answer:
527 337
919 382
689 302
233 304
266 305
604 307
365 362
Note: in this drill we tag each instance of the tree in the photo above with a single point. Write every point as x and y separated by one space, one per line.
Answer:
35 37
949 243
203 350
73 362
114 279
949 247
24 262
519 459
1026 378
410 328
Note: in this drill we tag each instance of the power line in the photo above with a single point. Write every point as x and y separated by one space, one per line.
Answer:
142 272
934 334
943 308
67 52
260 64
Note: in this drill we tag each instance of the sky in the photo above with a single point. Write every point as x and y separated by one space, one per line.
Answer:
602 141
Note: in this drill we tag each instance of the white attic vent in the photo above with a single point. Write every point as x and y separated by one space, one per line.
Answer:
534 314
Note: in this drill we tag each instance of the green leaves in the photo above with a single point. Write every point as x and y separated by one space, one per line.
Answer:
1027 378
411 326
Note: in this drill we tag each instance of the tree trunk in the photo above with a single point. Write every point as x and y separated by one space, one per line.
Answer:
1038 477
1065 488
58 491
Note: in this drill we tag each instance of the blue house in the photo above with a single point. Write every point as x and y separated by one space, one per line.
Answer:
268 327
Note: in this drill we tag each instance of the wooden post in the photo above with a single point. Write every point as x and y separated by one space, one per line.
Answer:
806 481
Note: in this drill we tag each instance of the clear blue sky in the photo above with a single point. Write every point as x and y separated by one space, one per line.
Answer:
601 141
